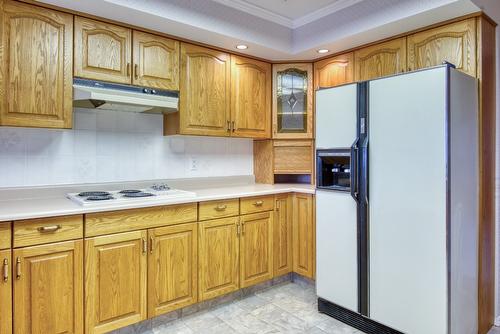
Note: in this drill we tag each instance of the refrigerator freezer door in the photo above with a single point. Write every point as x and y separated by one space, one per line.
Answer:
336 117
407 202
336 248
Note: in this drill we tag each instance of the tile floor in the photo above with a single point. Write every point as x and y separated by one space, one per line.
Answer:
285 308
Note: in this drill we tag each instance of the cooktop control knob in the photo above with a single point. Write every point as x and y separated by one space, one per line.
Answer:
153 91
145 90
160 187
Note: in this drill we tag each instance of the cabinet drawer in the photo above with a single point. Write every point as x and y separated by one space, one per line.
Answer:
139 219
293 157
256 204
219 209
4 235
46 230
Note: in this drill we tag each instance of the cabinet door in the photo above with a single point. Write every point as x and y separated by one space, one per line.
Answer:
380 60
256 248
304 235
115 281
282 231
6 293
102 51
334 71
218 261
454 43
204 106
250 98
156 61
48 289
36 66
172 268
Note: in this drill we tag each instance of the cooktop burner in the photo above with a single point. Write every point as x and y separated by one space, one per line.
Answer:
99 198
94 193
130 191
138 194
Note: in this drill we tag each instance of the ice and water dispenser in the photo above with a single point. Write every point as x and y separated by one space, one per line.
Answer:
334 169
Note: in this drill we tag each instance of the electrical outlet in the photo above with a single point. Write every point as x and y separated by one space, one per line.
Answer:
193 164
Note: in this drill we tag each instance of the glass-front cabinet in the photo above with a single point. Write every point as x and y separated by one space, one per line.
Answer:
292 101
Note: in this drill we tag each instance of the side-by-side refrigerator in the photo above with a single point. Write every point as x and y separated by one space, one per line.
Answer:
397 203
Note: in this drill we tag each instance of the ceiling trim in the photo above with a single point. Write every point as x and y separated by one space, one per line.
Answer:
258 11
322 12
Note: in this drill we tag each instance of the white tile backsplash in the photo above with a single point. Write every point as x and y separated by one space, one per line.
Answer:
111 146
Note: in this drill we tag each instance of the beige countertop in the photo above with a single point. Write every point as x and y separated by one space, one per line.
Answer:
39 202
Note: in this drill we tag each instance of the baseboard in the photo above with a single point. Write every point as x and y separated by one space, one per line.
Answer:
353 319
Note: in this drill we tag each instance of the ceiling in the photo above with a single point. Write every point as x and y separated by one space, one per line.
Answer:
278 29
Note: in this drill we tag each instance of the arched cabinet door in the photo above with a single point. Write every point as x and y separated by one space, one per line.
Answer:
380 60
102 51
334 71
36 60
156 61
454 43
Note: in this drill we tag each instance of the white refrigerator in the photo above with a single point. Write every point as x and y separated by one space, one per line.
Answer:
397 203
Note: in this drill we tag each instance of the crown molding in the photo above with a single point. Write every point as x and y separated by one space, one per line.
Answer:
322 12
258 11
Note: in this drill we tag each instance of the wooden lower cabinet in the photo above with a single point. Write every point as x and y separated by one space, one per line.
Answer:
115 281
172 268
304 245
282 235
218 245
48 288
6 292
256 248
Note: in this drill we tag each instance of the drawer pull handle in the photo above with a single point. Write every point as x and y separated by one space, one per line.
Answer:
52 228
220 207
5 270
258 203
18 268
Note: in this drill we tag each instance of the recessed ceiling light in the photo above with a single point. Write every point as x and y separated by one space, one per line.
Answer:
241 47
323 51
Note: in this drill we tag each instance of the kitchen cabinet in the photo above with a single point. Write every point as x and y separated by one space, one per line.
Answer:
103 51
115 281
172 268
6 292
304 247
36 67
5 235
454 43
380 60
334 71
256 248
292 105
282 235
218 245
156 61
205 94
48 288
250 98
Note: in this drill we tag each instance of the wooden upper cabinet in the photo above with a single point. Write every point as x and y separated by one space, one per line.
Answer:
250 98
36 66
48 289
115 281
172 268
304 235
380 60
334 71
156 61
204 106
282 230
218 244
454 43
256 248
6 292
102 51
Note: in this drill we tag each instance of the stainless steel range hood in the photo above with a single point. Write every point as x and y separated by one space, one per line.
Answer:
92 94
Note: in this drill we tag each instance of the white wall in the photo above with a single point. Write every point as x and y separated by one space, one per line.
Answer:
109 146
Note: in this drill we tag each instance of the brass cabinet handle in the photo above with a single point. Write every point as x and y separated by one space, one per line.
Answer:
5 270
136 71
144 246
47 229
258 203
151 245
243 228
238 230
18 268
277 205
233 126
128 69
228 126
220 207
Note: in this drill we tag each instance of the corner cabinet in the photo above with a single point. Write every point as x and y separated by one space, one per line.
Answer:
48 288
454 43
334 71
36 66
6 292
292 105
380 60
250 98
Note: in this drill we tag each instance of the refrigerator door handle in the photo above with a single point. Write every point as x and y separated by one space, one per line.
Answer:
354 171
365 170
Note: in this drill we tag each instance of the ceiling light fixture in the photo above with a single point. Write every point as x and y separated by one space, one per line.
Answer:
241 47
323 51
